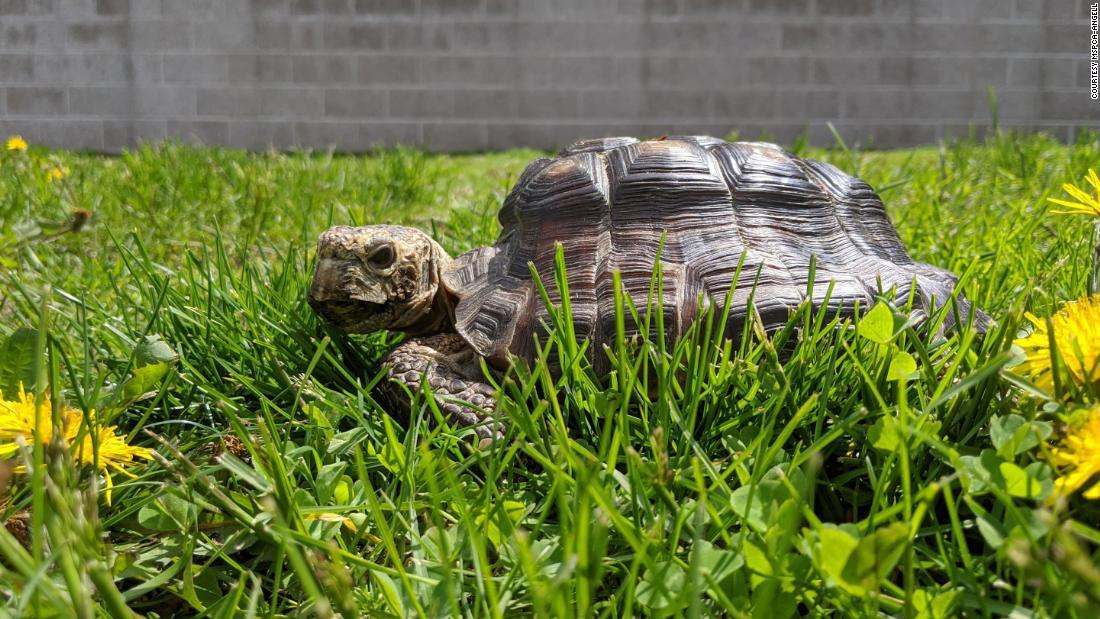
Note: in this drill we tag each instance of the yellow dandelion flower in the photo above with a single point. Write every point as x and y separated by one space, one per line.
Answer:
1079 456
56 173
16 142
1086 204
17 420
1077 338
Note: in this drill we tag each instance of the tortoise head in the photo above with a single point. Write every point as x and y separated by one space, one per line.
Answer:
375 278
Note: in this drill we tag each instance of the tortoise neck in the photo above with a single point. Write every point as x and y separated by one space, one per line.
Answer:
440 317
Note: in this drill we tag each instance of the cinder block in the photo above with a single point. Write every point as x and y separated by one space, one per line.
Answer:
846 8
1029 10
260 135
16 67
940 37
582 71
112 7
600 105
867 105
69 133
453 8
990 72
208 132
271 34
195 69
421 103
267 68
486 104
292 102
709 8
36 100
325 135
455 137
222 34
143 9
337 7
233 101
457 70
337 70
744 103
1067 105
945 105
1022 38
1015 105
14 7
879 37
782 7
928 9
892 9
778 70
160 34
349 103
679 37
978 10
523 8
549 104
206 9
305 7
268 8
895 135
375 134
18 34
352 35
815 37
517 70
103 101
420 36
684 71
119 135
385 7
676 104
807 104
941 72
390 69
306 35
1056 38
1024 72
164 101
81 68
712 128
111 34
895 71
845 71
548 136
1066 10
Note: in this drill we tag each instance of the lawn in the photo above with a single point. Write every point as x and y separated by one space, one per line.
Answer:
890 470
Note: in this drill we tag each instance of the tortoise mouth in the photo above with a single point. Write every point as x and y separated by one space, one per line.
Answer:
351 315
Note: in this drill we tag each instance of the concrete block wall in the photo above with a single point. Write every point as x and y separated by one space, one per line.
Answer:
461 75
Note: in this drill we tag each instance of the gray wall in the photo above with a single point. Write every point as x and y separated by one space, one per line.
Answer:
477 74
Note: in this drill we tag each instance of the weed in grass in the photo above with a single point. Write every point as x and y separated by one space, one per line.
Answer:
839 467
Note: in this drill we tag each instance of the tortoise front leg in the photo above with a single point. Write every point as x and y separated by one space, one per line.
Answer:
452 369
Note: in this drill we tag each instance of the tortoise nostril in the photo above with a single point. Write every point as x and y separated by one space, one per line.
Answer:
382 257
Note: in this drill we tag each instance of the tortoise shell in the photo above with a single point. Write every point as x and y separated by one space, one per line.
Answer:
716 205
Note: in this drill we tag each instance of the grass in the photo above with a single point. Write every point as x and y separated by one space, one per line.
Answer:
811 472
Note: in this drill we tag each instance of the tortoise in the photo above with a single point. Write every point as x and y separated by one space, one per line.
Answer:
706 205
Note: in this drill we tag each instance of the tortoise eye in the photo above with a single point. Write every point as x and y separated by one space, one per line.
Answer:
382 257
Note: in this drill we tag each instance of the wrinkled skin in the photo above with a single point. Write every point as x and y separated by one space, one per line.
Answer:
376 278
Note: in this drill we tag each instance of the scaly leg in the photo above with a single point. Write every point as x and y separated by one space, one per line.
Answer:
451 368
